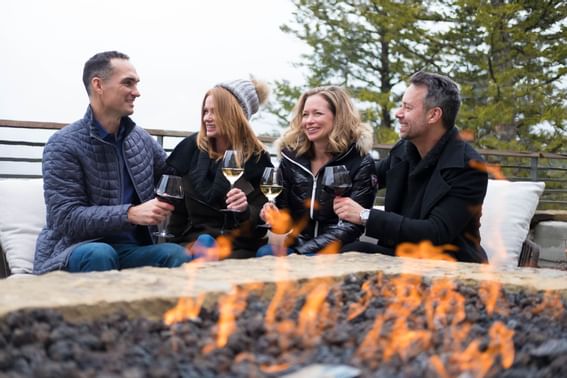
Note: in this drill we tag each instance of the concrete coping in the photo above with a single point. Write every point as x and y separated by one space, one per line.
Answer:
136 288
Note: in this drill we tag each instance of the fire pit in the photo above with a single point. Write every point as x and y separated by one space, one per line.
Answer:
451 320
377 324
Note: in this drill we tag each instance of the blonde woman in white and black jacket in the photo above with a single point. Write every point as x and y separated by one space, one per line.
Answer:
325 131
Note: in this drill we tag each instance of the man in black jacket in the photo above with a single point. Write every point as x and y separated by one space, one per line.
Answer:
434 187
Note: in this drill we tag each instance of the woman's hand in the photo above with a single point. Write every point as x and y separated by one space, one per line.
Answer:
268 206
236 200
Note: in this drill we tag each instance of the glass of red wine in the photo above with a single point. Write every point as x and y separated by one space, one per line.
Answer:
336 180
170 190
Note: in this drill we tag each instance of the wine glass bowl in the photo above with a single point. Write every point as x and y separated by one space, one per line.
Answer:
337 181
231 167
170 190
271 186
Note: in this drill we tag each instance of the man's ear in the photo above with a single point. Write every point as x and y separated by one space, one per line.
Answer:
434 115
96 84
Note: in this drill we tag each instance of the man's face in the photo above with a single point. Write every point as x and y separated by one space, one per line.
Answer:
118 92
412 114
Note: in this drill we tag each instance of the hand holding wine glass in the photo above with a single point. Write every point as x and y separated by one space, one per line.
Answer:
231 168
271 186
170 190
336 180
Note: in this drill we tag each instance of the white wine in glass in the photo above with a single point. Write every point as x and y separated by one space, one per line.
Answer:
231 168
271 186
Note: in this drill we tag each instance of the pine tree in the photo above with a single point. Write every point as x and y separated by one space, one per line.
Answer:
367 46
510 58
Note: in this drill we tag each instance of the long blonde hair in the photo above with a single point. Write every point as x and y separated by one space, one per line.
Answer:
231 123
347 127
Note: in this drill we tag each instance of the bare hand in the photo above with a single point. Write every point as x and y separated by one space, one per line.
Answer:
347 209
150 212
268 206
236 200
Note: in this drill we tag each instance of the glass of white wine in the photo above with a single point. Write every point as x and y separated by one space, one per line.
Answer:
231 168
271 186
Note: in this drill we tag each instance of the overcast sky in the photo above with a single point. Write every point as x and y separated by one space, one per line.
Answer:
180 48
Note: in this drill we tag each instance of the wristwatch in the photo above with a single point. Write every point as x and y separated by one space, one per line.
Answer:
364 214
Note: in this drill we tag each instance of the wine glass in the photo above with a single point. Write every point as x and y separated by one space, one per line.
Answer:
337 181
231 169
170 190
271 186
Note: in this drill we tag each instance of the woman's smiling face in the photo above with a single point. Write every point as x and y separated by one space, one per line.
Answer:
317 119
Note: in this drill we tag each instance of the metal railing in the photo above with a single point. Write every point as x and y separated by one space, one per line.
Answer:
22 149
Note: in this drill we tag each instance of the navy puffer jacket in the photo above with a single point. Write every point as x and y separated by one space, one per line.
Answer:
83 187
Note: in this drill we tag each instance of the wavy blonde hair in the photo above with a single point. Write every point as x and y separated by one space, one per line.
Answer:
231 123
347 127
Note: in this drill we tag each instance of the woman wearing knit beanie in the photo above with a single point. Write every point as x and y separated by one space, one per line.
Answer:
325 132
225 115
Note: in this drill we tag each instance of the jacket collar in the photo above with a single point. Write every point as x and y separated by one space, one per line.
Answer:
450 152
94 130
305 161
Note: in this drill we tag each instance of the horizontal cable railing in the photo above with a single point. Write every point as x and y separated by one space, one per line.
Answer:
20 157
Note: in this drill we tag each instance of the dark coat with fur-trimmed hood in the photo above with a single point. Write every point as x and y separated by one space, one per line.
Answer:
311 207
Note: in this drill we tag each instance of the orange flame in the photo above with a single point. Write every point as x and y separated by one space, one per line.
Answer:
331 249
186 308
282 287
280 221
369 346
492 169
443 302
489 292
314 308
273 369
425 250
467 135
551 302
501 344
438 366
355 309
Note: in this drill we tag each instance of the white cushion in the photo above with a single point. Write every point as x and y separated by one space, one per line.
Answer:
506 214
22 216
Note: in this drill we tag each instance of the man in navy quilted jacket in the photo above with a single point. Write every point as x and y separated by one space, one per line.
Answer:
99 175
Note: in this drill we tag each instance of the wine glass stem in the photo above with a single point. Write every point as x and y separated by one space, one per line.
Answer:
273 202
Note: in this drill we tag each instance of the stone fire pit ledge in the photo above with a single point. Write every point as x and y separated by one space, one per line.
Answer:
138 289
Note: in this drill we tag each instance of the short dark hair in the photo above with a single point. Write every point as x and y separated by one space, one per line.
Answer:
441 92
99 65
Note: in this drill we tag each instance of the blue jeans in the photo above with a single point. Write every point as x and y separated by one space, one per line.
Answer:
204 248
96 257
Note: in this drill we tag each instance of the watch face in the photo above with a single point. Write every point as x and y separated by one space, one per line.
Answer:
364 214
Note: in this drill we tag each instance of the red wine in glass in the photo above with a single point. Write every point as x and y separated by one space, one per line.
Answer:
170 190
337 181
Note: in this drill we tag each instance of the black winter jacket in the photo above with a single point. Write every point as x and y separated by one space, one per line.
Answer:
205 189
437 198
311 207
